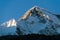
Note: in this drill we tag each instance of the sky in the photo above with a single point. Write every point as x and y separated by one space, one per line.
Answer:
16 8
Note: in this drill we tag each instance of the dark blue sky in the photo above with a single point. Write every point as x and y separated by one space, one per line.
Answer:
16 8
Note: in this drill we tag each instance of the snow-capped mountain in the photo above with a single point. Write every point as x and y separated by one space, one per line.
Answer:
8 27
39 21
36 20
9 23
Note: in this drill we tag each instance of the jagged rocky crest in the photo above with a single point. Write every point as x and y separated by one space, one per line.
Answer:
37 21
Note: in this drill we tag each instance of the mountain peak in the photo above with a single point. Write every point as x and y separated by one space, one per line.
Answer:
34 7
9 23
32 11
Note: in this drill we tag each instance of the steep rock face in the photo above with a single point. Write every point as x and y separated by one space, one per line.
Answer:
38 21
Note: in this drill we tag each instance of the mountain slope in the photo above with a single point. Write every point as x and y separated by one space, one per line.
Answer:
58 16
8 28
36 20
